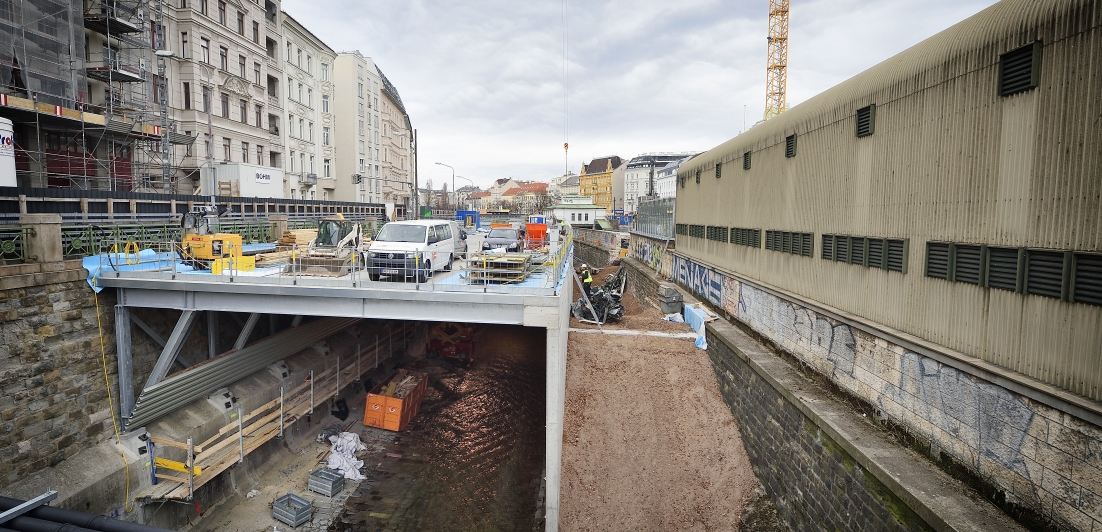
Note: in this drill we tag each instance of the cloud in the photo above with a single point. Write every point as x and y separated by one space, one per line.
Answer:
483 81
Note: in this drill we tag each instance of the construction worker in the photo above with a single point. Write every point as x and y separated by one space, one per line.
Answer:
587 280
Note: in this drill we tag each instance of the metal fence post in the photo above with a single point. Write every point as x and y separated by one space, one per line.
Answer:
311 391
357 379
280 411
337 391
240 437
190 468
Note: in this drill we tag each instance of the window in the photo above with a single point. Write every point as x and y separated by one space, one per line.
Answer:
361 145
221 12
240 23
225 105
243 107
288 51
206 99
259 109
325 71
376 103
291 159
311 164
360 71
572 217
325 103
719 170
260 155
361 127
310 97
298 58
256 73
361 169
361 108
300 93
360 89
790 146
204 50
290 84
183 4
223 58
311 130
226 149
376 125
309 64
1020 69
189 148
207 144
256 32
866 121
185 48
187 95
325 135
746 161
587 216
203 6
301 133
245 152
325 166
291 125
241 65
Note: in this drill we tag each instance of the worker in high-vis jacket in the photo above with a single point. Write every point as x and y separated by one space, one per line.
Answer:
587 280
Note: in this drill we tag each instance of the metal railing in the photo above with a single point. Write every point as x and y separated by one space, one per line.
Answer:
13 245
532 272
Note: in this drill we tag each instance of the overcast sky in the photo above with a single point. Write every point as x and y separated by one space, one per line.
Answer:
482 80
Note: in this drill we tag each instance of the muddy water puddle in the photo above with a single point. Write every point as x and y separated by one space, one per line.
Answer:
473 457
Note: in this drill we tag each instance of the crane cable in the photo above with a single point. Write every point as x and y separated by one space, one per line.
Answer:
565 89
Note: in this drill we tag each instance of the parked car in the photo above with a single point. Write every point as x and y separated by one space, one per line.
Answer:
414 249
500 238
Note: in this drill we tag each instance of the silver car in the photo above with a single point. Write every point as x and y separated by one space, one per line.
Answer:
507 239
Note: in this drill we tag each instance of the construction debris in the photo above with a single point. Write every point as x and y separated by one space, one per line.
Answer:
605 300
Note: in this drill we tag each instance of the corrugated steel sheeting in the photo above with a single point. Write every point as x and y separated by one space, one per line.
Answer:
195 382
950 161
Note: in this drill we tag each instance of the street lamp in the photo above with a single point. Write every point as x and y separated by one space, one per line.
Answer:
453 176
457 191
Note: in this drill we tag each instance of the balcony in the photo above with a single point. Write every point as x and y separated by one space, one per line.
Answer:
328 183
308 179
274 101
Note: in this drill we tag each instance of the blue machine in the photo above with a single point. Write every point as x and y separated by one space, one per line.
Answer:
537 219
471 219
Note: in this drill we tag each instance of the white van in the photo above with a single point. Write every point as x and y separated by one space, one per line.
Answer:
411 250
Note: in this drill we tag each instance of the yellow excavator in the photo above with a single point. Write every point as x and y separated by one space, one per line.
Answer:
337 248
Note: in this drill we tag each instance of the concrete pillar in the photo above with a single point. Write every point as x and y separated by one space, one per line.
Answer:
44 242
279 224
558 330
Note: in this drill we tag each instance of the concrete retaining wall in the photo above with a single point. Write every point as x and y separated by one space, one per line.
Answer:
653 252
1038 462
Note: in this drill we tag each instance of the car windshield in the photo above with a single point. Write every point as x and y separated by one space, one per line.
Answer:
502 233
402 233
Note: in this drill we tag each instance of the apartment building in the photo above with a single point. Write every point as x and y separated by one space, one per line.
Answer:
398 168
640 176
596 180
356 123
311 150
224 88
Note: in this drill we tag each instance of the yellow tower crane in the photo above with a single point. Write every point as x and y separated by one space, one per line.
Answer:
776 70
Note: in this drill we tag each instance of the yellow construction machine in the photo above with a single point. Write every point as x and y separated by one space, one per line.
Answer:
202 249
333 253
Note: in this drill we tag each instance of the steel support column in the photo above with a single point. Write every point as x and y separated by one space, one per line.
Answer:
246 331
126 361
212 334
297 321
172 349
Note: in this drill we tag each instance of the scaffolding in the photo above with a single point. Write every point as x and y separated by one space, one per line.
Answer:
77 80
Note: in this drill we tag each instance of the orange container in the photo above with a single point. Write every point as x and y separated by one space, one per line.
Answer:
537 235
393 412
500 225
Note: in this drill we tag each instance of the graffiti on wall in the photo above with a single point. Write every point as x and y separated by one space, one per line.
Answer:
980 424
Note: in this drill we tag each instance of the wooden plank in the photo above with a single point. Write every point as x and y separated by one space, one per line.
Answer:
168 443
172 478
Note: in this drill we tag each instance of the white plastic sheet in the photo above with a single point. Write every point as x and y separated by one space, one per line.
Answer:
343 456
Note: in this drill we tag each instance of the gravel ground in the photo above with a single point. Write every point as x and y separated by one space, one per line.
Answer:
649 443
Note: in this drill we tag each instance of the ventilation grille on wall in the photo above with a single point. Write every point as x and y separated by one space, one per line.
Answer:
1002 268
841 248
1088 279
790 146
1020 69
719 170
746 161
969 264
698 177
866 120
828 247
696 231
897 255
746 237
937 260
790 242
682 229
1044 273
719 234
876 253
857 251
